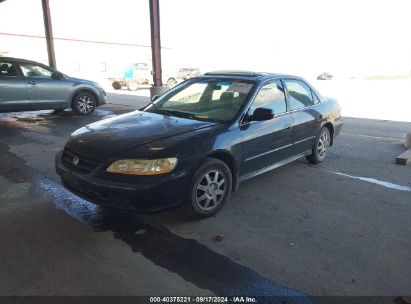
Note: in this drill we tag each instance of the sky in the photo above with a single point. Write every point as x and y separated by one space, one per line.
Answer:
293 36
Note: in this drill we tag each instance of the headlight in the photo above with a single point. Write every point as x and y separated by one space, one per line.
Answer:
143 166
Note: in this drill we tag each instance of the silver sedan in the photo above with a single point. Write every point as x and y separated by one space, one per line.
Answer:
27 86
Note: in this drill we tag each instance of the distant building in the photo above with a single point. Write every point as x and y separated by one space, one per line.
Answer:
96 60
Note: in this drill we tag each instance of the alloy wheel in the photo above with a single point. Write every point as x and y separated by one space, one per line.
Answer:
210 190
85 104
323 145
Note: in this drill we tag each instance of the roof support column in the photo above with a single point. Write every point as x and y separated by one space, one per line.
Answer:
49 33
156 47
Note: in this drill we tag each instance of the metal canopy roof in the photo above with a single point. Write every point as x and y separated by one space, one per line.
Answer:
155 37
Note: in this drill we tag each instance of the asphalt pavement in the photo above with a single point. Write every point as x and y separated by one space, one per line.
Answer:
338 228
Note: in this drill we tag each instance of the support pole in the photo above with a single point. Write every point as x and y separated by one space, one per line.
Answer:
48 29
157 88
408 140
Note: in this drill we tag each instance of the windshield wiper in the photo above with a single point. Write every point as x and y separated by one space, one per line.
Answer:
179 113
160 110
183 114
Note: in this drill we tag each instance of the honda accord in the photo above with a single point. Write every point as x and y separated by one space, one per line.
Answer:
197 142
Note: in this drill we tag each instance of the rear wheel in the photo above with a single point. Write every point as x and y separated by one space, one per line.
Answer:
321 146
209 189
84 103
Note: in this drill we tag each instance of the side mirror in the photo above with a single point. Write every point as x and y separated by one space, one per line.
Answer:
56 75
155 97
261 114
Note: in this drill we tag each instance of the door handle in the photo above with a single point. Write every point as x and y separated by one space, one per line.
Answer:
287 127
32 82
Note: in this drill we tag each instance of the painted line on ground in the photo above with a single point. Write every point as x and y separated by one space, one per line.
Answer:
370 136
376 181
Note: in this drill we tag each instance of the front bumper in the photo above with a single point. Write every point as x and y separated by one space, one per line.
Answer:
102 98
168 192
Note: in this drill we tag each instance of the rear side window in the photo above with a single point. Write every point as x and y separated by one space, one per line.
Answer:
7 69
299 94
270 96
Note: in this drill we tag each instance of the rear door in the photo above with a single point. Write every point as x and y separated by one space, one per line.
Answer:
13 92
267 142
44 91
307 114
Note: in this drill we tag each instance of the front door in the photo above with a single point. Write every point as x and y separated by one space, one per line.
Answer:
13 92
267 142
44 91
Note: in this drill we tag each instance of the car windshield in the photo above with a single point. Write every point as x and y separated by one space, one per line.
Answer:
211 100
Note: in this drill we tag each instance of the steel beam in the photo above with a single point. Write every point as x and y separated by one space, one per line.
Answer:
155 42
49 33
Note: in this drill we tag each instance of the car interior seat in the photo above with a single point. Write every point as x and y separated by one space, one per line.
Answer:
12 71
227 98
4 69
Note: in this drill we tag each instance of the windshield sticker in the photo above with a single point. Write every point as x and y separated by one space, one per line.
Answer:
224 83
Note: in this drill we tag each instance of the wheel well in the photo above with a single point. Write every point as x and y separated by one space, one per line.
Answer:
230 162
87 91
331 129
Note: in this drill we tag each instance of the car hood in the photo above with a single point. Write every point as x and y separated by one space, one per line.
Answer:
111 137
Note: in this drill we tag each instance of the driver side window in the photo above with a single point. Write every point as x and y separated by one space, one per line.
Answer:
270 96
32 70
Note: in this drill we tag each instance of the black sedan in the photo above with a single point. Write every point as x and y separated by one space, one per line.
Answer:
196 143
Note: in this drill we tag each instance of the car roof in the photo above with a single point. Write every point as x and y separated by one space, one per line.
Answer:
247 75
16 59
27 61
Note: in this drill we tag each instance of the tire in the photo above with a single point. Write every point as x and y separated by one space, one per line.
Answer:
116 85
321 146
84 103
132 85
209 189
171 83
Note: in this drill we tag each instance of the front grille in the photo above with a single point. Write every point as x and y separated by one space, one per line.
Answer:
78 162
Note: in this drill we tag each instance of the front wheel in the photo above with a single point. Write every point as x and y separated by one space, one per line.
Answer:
116 85
84 103
322 144
132 85
209 189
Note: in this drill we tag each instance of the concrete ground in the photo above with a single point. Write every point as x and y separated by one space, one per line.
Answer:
319 230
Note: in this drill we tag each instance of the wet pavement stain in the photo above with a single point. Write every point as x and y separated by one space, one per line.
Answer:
189 259
12 167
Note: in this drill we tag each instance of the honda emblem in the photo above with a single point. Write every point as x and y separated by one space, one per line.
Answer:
75 160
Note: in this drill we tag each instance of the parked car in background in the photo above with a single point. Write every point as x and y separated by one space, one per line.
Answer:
181 75
198 141
28 85
186 73
133 77
138 75
325 76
